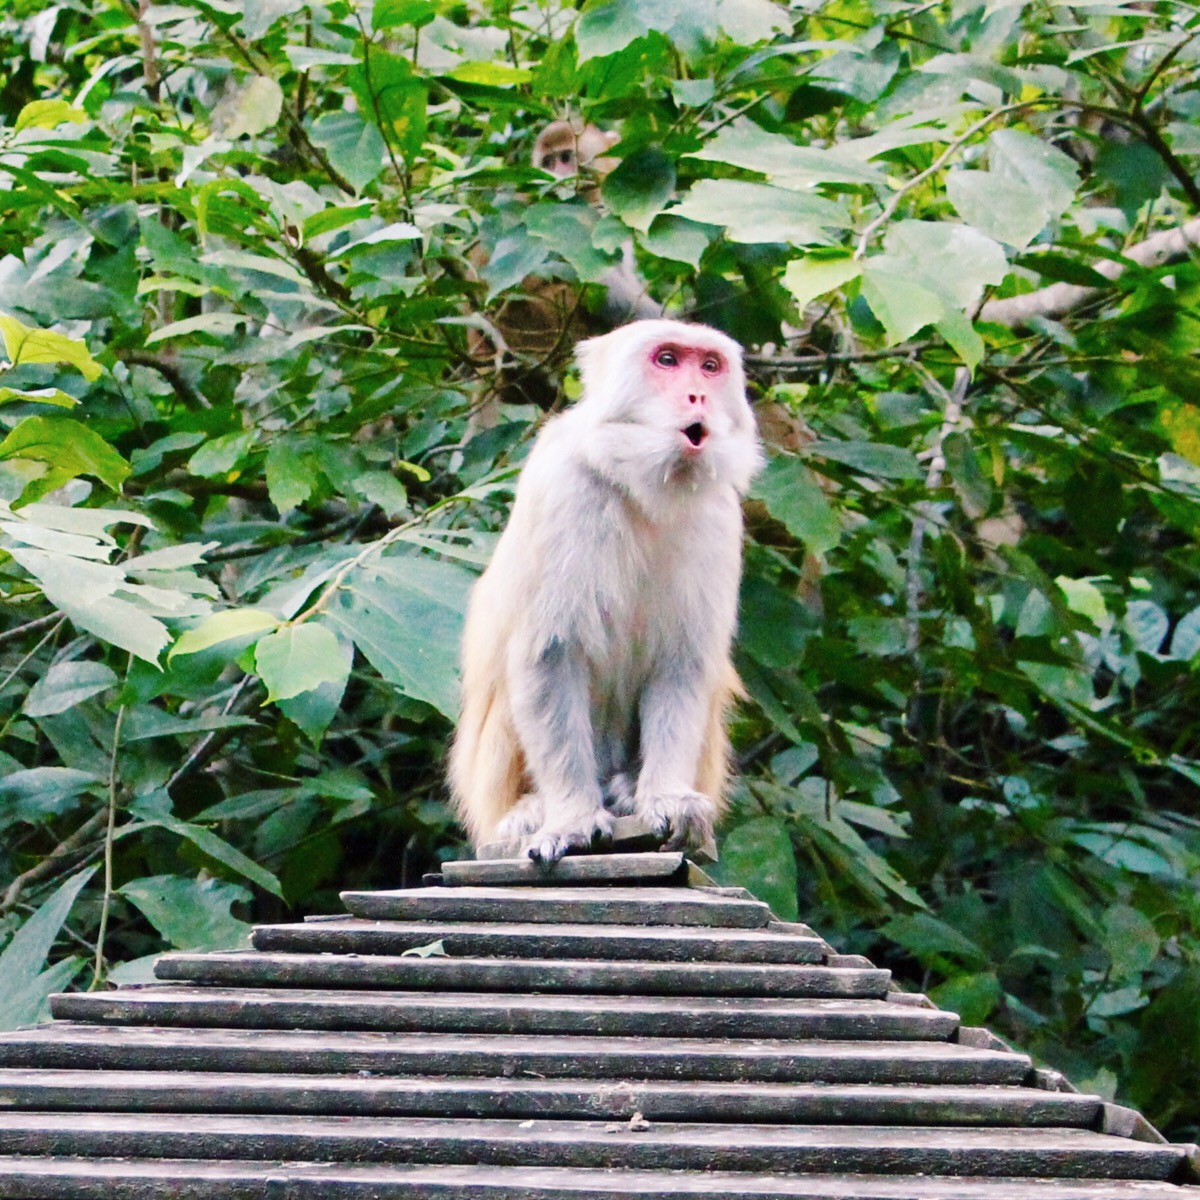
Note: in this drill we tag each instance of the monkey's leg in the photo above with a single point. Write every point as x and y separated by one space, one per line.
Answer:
673 710
552 712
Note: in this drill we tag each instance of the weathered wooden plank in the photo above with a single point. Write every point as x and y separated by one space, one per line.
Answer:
465 1012
654 867
777 1148
657 1100
353 935
257 969
546 1056
116 1179
612 905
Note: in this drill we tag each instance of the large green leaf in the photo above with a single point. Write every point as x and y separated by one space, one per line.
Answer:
754 212
191 914
758 855
68 449
298 658
404 613
25 984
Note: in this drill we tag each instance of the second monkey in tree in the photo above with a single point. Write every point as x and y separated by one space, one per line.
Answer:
596 656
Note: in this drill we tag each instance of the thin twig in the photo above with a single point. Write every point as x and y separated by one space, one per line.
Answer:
109 836
48 865
19 631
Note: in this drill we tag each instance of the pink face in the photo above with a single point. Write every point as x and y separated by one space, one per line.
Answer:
689 377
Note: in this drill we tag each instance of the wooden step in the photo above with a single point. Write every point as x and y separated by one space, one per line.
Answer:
1048 1153
75 1179
655 867
351 935
571 906
466 1012
658 1100
154 1179
258 969
92 1047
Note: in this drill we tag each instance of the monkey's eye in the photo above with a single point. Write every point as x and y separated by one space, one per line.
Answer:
566 157
548 161
711 365
667 358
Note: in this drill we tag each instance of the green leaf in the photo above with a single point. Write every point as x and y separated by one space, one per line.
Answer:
744 144
220 324
807 278
220 455
24 988
313 711
758 855
290 479
84 591
191 914
47 114
24 345
639 188
223 626
1006 209
792 496
567 230
215 847
65 685
1147 624
871 458
608 26
674 237
388 14
398 231
1049 173
755 212
250 109
297 658
901 305
1185 641
68 448
355 148
951 260
404 613
1131 941
933 942
389 93
491 74
1085 598
55 396
431 950
973 997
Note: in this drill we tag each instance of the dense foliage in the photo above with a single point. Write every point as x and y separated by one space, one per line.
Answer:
241 509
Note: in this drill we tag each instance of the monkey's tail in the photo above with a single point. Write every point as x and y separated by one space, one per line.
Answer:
487 768
712 774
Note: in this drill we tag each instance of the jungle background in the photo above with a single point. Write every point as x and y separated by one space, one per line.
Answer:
240 248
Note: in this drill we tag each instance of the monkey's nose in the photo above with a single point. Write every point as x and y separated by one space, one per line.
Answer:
696 398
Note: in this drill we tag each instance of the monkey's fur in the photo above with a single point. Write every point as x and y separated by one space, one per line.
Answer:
596 655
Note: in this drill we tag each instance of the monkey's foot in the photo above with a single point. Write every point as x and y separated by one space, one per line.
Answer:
618 795
580 830
683 819
527 815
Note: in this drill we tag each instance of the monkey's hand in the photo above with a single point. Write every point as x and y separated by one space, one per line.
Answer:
576 828
684 819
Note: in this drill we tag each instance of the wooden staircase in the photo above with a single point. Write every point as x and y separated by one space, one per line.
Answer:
605 1030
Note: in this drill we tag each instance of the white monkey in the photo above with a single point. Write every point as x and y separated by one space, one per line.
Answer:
596 668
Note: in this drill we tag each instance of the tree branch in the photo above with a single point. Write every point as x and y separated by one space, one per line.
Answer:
1169 245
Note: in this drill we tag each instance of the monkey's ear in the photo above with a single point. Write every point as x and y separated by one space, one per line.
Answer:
611 138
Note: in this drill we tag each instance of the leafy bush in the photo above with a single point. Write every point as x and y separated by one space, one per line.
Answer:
241 504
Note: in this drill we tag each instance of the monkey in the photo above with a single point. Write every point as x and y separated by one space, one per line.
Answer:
596 650
546 316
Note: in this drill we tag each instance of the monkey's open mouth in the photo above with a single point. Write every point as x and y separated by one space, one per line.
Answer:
696 433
